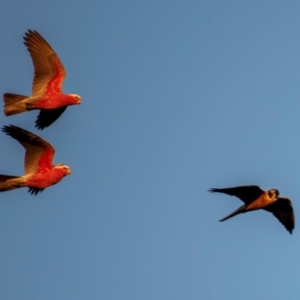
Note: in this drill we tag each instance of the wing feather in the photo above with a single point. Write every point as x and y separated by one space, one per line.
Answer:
247 193
39 153
282 209
49 72
34 191
47 117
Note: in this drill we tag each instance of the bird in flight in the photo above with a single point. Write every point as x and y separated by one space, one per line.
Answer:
255 198
47 96
39 171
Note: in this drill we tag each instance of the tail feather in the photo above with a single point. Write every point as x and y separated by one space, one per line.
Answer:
8 183
14 104
240 210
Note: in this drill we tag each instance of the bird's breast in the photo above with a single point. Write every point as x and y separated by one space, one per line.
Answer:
261 202
43 180
52 101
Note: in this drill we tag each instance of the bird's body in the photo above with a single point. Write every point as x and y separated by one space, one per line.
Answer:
47 178
255 198
39 171
262 201
47 95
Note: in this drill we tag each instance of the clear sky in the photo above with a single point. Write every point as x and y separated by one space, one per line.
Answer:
177 97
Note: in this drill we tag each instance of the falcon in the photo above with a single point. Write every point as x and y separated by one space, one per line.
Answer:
47 96
39 171
255 198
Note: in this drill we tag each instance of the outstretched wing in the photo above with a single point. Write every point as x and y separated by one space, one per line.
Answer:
47 117
39 153
247 193
282 209
49 72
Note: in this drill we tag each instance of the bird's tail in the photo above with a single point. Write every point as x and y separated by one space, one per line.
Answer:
240 210
14 104
8 183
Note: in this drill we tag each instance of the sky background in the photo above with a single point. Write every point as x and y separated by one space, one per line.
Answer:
177 97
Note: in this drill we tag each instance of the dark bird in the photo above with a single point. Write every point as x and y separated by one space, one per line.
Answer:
47 95
255 198
39 171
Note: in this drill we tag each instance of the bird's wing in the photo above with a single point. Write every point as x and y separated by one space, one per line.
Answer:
247 193
282 209
34 191
39 153
47 117
49 72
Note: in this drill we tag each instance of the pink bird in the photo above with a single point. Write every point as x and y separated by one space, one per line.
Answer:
47 96
39 171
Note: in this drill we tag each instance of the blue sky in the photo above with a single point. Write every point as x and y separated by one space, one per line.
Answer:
177 97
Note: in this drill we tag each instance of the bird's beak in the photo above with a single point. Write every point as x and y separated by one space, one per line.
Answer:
69 172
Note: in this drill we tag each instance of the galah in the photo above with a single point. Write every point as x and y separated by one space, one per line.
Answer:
47 96
39 171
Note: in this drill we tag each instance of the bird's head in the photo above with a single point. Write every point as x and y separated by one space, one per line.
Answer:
77 98
64 168
273 194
